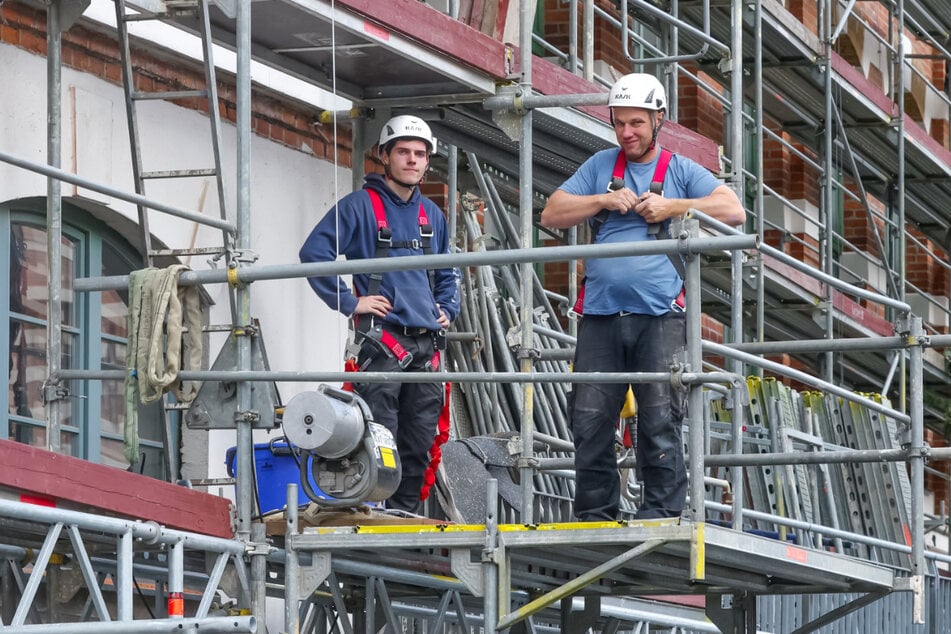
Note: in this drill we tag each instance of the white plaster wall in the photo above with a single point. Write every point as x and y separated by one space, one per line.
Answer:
290 191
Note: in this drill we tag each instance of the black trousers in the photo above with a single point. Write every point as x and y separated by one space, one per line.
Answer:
628 343
409 410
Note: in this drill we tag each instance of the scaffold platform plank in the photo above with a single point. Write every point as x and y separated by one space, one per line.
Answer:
692 558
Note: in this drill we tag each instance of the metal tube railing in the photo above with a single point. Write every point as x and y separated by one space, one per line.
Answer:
137 199
805 268
434 261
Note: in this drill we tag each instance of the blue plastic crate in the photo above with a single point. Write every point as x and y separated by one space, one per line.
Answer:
275 467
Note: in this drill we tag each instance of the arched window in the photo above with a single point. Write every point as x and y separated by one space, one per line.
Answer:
94 335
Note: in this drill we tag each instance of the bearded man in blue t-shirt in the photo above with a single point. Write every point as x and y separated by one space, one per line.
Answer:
633 313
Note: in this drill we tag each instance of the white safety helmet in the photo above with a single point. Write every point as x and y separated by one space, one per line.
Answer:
407 127
638 90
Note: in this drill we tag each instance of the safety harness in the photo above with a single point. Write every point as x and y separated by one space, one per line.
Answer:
660 230
369 329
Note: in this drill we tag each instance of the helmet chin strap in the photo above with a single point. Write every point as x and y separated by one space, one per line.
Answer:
389 175
653 143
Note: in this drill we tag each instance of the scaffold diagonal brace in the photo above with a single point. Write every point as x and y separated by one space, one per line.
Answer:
578 583
92 582
839 612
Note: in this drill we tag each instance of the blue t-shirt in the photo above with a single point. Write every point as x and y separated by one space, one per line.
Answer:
639 284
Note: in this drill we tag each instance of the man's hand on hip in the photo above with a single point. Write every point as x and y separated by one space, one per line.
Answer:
373 305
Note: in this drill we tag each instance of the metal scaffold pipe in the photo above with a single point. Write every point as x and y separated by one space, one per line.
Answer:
850 343
147 531
827 531
410 262
54 393
690 378
206 625
526 294
129 197
808 379
801 457
725 229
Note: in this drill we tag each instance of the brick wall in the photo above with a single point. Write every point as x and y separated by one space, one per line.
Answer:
436 192
806 11
858 229
923 270
785 171
699 110
607 41
282 121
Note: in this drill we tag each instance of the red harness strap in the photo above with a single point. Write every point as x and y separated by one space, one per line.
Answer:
384 237
617 182
660 172
384 242
396 348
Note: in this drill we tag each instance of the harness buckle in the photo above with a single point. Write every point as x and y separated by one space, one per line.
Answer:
384 235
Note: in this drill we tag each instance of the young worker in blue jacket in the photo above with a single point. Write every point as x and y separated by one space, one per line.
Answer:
400 317
633 310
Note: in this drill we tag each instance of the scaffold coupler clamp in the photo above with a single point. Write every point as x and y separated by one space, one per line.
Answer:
253 548
54 390
677 375
527 353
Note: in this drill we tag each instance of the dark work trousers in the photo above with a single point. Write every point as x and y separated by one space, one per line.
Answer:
628 343
409 410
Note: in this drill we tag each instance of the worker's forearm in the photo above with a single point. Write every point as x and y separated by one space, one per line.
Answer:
566 210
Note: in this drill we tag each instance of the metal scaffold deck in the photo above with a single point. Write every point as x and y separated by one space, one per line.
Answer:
533 568
524 128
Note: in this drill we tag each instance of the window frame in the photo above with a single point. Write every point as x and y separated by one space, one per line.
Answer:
91 236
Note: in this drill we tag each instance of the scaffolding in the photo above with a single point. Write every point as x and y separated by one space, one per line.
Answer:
523 574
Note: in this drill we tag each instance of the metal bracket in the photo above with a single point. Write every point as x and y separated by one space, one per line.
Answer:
249 330
676 375
732 612
257 548
313 575
524 463
467 571
510 121
249 416
903 328
915 585
54 390
527 353
245 256
70 11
